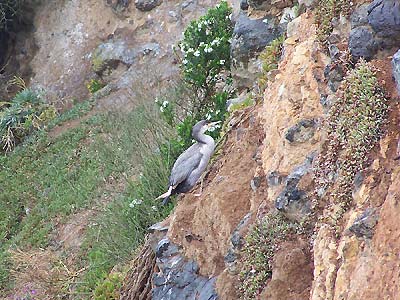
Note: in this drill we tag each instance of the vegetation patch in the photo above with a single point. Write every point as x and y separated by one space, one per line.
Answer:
326 12
94 85
261 243
109 289
206 48
269 60
354 126
25 113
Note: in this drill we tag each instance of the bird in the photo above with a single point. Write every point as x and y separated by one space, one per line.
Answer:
192 162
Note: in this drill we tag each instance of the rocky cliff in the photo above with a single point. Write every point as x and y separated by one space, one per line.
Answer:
272 161
300 200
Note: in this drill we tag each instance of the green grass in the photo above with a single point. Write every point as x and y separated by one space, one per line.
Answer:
56 177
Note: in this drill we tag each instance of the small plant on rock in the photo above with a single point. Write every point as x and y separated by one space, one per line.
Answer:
354 126
270 58
326 11
257 255
94 85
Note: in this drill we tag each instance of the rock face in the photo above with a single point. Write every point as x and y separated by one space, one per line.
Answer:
147 5
249 38
396 69
178 278
73 29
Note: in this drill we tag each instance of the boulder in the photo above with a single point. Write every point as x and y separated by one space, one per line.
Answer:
363 226
293 201
374 27
362 43
147 5
384 18
249 38
244 5
301 132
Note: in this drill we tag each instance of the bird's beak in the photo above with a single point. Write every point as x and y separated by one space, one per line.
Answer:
212 124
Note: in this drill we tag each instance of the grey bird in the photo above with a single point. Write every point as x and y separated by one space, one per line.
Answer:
191 164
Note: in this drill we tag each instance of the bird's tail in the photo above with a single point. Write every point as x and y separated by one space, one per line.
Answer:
165 195
166 200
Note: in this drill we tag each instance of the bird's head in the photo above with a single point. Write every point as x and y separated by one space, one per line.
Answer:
203 125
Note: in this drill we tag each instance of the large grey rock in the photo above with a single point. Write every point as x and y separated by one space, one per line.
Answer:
178 278
384 18
112 52
362 43
244 5
293 201
374 27
363 226
396 69
147 5
301 132
249 38
359 17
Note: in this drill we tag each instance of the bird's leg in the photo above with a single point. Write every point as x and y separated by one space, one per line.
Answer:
201 188
168 193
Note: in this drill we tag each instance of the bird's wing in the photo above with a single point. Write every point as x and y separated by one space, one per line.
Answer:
185 164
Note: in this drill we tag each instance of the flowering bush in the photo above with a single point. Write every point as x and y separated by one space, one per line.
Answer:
206 47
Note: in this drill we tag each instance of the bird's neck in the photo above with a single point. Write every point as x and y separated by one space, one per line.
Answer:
204 138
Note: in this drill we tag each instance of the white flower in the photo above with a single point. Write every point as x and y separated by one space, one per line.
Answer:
156 100
197 53
135 202
208 116
201 44
184 61
207 32
161 109
216 42
165 103
208 49
154 208
222 62
190 50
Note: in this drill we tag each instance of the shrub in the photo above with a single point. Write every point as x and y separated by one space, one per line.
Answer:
26 112
206 48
